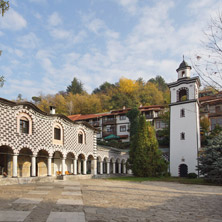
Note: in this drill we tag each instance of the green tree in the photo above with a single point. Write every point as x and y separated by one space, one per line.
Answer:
76 87
210 160
147 161
4 6
133 116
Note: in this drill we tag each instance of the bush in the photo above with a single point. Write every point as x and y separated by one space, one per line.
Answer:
192 175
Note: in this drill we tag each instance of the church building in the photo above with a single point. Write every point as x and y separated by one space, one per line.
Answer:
184 122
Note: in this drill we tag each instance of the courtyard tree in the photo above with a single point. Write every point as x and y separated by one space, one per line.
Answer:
207 62
147 160
4 6
210 160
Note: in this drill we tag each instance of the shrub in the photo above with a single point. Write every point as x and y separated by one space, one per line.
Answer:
192 175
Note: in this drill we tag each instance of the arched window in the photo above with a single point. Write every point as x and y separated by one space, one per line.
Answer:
81 137
57 134
182 94
182 113
24 123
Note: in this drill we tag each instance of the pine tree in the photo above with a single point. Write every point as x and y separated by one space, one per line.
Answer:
147 160
76 87
210 160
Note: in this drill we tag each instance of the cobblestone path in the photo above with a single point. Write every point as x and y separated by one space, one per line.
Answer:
100 200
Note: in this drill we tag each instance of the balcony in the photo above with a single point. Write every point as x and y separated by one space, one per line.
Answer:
109 122
95 124
149 116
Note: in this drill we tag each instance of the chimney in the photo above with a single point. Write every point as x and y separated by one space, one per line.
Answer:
141 105
52 110
124 107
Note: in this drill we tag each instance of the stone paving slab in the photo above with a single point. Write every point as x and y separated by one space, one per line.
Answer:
28 200
66 217
72 188
13 215
73 193
45 187
40 192
69 202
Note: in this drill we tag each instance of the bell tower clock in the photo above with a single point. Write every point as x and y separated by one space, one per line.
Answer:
184 122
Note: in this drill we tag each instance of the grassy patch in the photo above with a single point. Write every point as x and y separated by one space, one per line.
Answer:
165 179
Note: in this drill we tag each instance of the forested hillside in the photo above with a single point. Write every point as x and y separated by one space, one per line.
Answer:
108 96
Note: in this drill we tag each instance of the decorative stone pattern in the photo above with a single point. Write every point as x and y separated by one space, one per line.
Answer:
42 132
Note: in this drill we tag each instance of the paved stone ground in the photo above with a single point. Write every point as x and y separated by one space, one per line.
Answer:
99 200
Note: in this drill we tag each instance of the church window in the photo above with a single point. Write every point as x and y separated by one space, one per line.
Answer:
57 133
183 73
24 125
182 113
80 137
182 136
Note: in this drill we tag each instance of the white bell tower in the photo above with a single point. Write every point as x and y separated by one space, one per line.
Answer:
184 122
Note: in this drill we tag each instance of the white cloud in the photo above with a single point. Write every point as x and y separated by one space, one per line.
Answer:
54 19
13 20
130 5
60 33
29 41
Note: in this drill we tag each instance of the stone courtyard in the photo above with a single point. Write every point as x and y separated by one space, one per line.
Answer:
100 200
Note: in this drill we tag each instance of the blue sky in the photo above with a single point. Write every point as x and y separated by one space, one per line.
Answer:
46 43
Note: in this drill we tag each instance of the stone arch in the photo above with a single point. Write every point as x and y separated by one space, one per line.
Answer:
90 164
41 162
57 162
6 166
24 162
112 164
80 166
118 165
182 94
25 117
69 165
105 163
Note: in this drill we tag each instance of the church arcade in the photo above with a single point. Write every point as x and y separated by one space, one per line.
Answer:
36 144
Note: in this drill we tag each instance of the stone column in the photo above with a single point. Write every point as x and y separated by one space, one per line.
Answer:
84 167
63 166
15 163
108 168
33 166
124 168
119 167
75 166
49 169
79 166
101 167
114 167
95 167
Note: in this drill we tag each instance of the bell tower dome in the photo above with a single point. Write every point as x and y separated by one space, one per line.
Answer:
183 70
